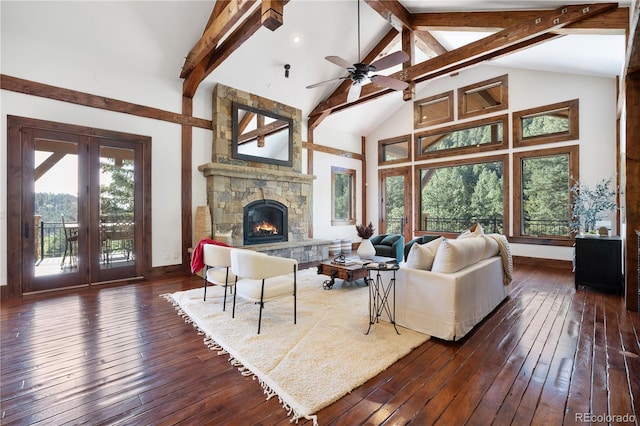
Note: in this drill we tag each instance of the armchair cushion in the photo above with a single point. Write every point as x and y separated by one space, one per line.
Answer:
388 245
252 267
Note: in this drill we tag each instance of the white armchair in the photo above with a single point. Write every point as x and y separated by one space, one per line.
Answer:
260 278
217 261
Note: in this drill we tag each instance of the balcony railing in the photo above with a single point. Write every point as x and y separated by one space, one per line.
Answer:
438 224
51 240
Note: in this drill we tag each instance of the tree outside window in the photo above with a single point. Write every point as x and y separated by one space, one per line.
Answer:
543 179
454 196
343 198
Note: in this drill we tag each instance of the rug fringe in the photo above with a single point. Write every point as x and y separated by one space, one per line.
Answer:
214 346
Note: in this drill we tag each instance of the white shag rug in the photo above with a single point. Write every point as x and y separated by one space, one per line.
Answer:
308 365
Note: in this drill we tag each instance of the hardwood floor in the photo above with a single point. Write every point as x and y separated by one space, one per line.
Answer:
549 355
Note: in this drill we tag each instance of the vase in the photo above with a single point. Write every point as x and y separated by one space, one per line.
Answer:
366 249
202 224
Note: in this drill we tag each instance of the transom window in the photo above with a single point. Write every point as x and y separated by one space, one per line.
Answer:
480 135
545 124
395 150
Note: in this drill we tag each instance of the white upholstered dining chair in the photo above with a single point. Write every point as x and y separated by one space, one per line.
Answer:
260 278
217 262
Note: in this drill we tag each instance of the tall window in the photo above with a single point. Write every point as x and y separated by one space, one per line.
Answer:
343 196
542 179
453 196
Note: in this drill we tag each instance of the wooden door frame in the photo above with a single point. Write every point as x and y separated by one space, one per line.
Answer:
407 172
15 242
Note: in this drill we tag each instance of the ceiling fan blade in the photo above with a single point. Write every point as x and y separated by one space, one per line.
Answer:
390 82
354 92
339 61
311 86
390 60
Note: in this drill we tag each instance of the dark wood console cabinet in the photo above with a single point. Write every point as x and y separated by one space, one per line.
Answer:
599 263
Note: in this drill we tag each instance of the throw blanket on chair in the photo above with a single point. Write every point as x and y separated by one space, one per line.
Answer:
196 257
505 253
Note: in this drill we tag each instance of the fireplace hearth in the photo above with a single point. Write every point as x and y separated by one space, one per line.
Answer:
265 221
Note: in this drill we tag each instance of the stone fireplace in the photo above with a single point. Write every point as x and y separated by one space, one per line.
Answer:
264 221
234 186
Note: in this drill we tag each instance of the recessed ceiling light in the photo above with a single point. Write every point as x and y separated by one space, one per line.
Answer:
296 39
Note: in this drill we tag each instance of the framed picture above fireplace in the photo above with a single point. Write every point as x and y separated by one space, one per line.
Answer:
261 136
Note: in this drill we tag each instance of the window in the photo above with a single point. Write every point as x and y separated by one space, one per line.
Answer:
452 196
343 196
435 109
549 123
484 97
395 150
480 135
541 204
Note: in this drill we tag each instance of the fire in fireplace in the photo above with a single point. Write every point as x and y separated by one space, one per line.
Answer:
265 221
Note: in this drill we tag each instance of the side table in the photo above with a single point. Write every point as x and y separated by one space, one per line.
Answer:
379 294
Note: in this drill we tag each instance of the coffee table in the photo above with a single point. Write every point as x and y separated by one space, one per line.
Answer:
348 273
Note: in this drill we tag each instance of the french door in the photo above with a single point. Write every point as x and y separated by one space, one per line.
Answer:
395 210
82 213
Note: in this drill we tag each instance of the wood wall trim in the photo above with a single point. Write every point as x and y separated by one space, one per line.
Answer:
27 87
542 263
186 170
333 151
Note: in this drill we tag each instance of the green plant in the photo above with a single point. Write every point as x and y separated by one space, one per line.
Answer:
365 231
588 204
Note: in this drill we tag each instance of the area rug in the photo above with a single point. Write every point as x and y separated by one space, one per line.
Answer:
308 365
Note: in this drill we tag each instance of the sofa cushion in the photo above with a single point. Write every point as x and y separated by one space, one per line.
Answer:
453 255
421 256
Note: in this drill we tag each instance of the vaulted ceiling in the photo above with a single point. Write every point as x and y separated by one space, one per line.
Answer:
442 37
209 42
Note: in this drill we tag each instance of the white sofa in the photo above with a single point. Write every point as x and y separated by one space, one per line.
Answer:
470 284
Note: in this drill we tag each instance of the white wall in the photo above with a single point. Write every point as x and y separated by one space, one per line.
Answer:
322 162
73 71
527 89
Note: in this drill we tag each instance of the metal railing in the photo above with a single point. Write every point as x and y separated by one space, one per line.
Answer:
52 239
555 228
492 225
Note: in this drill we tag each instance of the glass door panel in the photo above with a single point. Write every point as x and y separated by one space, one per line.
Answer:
117 207
395 208
116 233
56 257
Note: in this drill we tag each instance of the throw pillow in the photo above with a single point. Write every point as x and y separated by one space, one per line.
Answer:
453 255
421 256
473 232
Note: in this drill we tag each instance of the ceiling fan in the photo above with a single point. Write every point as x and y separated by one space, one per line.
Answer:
360 72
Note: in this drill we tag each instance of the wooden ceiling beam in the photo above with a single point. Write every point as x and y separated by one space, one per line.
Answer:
428 43
217 55
632 61
610 22
393 12
214 33
532 30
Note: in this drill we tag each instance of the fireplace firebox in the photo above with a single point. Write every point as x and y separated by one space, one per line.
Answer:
265 221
